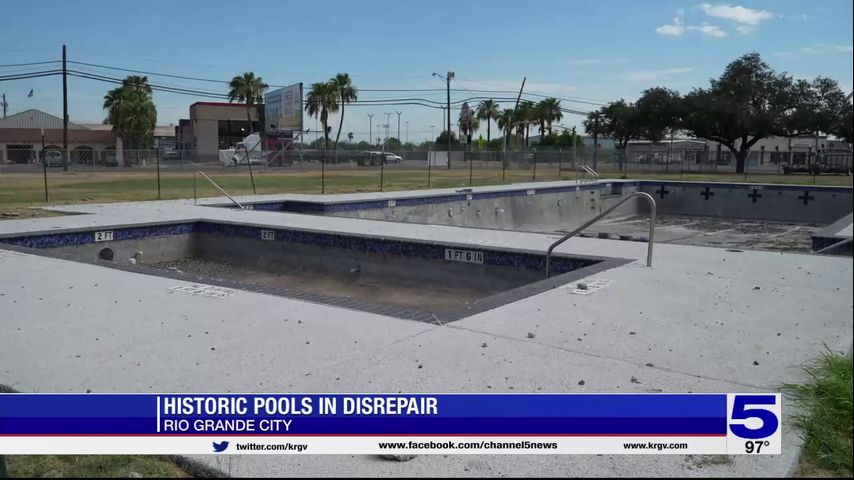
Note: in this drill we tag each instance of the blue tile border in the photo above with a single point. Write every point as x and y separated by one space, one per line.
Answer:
425 250
65 238
320 207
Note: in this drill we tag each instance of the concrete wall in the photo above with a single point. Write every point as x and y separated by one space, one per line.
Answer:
542 212
154 249
343 263
789 203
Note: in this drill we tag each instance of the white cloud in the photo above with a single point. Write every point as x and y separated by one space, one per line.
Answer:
653 75
737 13
678 28
713 31
818 49
670 30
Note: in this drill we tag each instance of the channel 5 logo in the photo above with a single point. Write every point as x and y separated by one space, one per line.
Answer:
754 423
754 416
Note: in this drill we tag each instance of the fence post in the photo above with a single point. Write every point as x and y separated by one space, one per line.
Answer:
429 154
44 169
471 167
382 171
157 163
534 177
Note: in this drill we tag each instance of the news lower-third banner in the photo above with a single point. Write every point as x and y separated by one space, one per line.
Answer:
390 424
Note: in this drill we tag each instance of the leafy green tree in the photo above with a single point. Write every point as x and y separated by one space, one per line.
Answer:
249 89
821 104
844 126
131 112
749 102
347 93
659 113
393 143
488 110
442 139
617 120
322 100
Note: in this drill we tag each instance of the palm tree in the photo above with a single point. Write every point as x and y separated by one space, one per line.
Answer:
488 110
550 112
131 112
505 121
346 93
525 115
138 82
249 89
322 100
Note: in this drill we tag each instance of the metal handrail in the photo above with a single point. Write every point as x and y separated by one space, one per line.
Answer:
606 212
832 246
590 171
221 190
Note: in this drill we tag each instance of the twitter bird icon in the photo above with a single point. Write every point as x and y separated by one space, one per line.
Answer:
220 447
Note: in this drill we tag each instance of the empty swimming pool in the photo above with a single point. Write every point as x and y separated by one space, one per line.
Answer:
407 279
731 215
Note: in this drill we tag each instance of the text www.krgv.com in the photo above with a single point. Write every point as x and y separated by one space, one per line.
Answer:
655 446
278 447
481 445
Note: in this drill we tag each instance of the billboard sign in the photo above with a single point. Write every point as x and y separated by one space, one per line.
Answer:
283 109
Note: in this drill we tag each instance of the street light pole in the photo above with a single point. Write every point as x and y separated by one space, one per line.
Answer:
398 125
370 127
407 131
448 89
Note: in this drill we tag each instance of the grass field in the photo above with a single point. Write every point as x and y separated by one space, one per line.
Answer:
20 191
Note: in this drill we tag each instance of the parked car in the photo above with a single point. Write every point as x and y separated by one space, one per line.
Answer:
53 158
375 158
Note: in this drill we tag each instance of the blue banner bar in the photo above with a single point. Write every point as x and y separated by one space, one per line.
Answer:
364 414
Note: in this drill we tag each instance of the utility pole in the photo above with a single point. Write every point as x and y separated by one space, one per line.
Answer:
370 127
398 125
512 117
574 147
4 105
448 81
407 131
448 88
595 138
64 113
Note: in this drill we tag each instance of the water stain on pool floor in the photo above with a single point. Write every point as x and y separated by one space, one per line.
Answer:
714 232
425 297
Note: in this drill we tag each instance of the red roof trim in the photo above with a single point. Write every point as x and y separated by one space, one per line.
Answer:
218 104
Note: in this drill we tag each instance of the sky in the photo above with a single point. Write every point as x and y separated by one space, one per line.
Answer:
585 52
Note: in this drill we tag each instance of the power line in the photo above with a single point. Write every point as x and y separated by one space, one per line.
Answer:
29 64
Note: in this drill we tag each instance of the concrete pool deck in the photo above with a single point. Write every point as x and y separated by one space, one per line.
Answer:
701 319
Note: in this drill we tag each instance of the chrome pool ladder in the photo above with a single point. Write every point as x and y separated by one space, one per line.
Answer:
595 219
217 187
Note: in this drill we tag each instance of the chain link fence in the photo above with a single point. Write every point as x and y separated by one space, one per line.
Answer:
159 173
